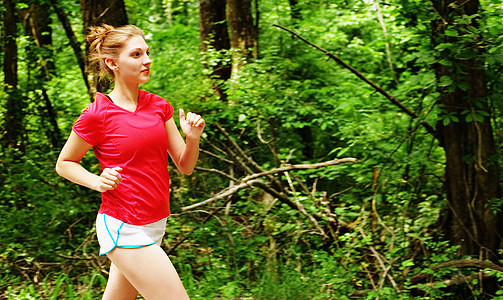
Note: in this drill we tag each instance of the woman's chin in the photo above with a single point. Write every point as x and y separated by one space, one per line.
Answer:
144 80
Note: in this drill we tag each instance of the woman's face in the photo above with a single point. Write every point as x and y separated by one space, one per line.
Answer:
133 64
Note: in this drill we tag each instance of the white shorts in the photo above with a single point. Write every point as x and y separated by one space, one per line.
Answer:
116 233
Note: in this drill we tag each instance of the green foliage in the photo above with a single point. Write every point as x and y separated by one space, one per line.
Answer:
255 247
61 287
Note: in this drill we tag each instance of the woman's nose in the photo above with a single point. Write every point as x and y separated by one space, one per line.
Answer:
147 61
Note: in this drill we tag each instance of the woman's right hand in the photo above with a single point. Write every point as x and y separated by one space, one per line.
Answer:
109 179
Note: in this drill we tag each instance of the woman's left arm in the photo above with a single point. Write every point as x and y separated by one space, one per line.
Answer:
185 153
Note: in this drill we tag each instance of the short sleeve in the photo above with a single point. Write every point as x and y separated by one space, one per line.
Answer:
168 111
165 107
89 126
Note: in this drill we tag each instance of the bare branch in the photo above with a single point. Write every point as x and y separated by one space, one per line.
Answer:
379 89
302 167
224 193
463 279
237 159
274 146
239 150
207 141
460 263
250 180
216 156
380 18
217 172
253 181
381 259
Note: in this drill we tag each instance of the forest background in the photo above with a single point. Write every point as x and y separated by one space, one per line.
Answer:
353 148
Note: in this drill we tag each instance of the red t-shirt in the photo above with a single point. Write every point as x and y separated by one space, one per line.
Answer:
138 143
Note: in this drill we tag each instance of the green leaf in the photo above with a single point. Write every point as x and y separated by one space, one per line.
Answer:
451 32
443 46
498 58
479 118
343 151
21 5
483 113
445 62
426 57
407 263
445 81
464 86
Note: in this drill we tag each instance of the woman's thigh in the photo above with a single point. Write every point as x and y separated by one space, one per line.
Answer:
118 287
150 271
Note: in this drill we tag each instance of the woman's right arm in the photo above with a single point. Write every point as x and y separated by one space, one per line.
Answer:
68 166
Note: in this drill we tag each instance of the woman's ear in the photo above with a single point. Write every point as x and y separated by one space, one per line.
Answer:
111 64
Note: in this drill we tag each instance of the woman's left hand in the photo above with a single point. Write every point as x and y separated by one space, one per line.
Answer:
192 125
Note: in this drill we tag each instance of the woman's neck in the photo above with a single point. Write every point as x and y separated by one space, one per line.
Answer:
125 96
124 93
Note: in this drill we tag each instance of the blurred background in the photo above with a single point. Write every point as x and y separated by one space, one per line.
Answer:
352 148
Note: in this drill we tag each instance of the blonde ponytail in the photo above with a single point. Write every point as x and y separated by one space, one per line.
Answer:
106 41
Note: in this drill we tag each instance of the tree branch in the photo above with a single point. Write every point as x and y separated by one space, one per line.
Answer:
216 156
223 174
236 146
379 89
250 180
460 263
63 18
253 181
247 160
224 193
302 167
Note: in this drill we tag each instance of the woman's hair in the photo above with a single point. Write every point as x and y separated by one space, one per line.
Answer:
106 41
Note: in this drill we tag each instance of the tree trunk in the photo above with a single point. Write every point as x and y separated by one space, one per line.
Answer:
76 45
295 11
214 35
37 25
244 33
471 169
97 12
14 127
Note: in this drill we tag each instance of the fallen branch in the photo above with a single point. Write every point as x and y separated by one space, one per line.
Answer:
216 156
243 160
462 279
254 180
250 180
302 167
378 88
461 263
382 260
225 193
223 174
239 150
